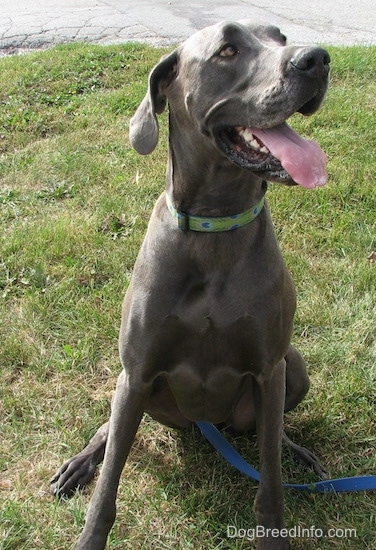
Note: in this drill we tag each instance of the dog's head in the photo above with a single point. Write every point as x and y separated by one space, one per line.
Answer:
236 84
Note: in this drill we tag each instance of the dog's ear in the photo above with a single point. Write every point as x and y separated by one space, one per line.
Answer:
144 129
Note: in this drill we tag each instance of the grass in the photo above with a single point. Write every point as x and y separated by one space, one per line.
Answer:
74 204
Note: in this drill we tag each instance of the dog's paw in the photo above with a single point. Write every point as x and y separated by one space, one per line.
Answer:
306 457
309 459
74 474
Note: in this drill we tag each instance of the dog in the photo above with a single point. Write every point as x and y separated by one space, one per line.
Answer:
207 318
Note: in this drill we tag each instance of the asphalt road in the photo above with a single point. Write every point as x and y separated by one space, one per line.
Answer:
30 24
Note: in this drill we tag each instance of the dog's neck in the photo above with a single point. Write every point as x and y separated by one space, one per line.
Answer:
203 182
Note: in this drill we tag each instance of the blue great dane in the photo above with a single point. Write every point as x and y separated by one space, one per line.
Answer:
207 318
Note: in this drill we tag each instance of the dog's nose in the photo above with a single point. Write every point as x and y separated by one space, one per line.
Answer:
312 62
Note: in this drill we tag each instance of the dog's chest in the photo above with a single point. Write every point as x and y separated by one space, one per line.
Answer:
213 324
205 304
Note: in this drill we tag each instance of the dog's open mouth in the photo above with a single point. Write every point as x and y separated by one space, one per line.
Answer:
277 153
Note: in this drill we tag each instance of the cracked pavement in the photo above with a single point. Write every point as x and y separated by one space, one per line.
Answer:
28 25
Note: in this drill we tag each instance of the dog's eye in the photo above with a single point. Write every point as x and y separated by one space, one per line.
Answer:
228 51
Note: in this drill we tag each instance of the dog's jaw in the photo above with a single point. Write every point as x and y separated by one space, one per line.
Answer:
277 154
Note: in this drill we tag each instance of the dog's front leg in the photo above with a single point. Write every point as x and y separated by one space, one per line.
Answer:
269 393
127 410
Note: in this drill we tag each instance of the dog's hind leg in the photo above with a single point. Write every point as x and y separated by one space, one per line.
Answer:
297 385
297 379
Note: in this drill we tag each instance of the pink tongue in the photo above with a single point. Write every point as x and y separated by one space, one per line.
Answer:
302 159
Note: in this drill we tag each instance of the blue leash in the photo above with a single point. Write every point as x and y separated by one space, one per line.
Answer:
227 451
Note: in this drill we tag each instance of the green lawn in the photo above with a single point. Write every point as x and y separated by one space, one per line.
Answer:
74 204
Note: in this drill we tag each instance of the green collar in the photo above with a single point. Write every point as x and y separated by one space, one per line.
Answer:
186 222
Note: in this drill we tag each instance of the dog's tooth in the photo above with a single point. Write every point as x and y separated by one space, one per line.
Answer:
247 135
251 141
